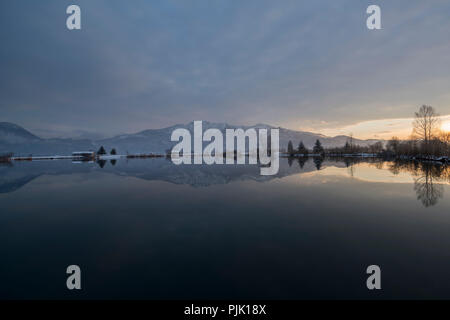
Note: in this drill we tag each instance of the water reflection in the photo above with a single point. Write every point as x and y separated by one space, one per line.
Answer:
199 232
101 163
290 161
318 162
427 179
302 161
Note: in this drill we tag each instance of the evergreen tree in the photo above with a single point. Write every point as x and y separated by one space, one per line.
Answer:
290 148
318 147
101 151
113 151
302 149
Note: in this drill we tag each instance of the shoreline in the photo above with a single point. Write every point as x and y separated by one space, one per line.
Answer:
419 158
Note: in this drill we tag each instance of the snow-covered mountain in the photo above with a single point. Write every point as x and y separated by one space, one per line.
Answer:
14 138
158 140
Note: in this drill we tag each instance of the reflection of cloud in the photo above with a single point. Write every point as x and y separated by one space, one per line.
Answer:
428 179
368 173
387 172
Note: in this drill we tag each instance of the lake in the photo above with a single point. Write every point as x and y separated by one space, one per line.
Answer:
147 229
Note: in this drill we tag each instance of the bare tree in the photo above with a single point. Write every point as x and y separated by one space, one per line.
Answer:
351 141
393 145
426 123
376 147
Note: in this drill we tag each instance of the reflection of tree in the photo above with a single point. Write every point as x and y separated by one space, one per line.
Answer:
407 166
427 179
101 163
348 162
318 162
351 170
379 165
426 189
290 160
113 161
302 161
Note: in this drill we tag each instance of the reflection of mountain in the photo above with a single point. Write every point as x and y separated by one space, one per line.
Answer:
14 184
427 177
196 175
18 140
16 176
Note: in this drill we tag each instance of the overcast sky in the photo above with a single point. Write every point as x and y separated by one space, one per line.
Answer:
305 65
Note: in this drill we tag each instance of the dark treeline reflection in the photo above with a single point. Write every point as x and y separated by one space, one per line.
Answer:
318 162
302 160
101 163
428 176
428 179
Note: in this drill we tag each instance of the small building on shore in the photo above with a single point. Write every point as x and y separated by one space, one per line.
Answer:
84 155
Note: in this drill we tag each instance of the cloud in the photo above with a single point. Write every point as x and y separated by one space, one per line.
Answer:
150 64
382 128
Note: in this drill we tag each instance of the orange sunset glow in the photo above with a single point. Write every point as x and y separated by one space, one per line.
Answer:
380 129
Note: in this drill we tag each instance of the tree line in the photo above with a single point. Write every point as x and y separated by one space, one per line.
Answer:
102 151
348 148
303 151
426 141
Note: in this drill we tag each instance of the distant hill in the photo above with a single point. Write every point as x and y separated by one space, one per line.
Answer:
14 138
11 133
158 140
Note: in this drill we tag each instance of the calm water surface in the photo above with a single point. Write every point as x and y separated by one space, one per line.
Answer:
150 229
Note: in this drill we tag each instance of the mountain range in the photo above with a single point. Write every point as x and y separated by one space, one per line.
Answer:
16 139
